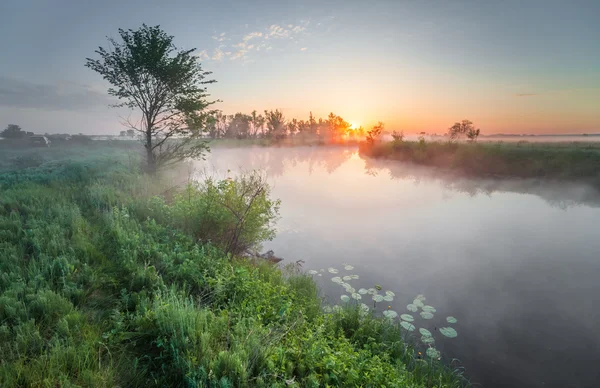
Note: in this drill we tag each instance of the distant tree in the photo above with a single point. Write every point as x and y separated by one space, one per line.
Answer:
398 136
275 124
257 123
130 133
166 86
375 133
13 131
123 133
238 126
465 128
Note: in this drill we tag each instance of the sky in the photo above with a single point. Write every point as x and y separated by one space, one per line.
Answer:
509 66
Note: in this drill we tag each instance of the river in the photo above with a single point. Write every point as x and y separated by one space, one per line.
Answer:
517 263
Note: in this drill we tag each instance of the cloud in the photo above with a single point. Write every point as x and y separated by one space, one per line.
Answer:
256 41
18 93
203 55
525 94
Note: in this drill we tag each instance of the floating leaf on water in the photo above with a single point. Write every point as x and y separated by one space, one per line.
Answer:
337 279
391 314
320 274
426 315
372 291
418 303
407 326
411 307
425 332
347 278
327 309
321 270
349 288
407 317
421 297
332 270
337 308
362 291
356 296
365 308
313 272
427 340
448 332
451 320
378 287
429 309
390 293
378 298
345 298
355 277
433 353
388 298
348 268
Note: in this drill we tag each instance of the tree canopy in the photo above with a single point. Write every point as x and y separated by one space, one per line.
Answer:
13 131
167 87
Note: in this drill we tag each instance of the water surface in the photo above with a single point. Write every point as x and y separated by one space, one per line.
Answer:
516 262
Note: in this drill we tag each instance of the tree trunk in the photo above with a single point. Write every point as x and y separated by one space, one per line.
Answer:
150 162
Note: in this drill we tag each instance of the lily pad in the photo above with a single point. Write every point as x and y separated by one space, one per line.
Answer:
337 279
378 298
332 270
433 353
418 303
407 317
347 278
356 296
354 277
426 315
391 314
427 340
390 293
365 308
429 309
362 291
345 298
421 297
407 326
378 287
425 332
313 272
448 332
388 298
348 268
337 308
327 309
451 320
411 307
372 291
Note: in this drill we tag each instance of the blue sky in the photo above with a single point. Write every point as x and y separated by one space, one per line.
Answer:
509 66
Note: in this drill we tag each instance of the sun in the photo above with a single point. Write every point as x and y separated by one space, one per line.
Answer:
354 125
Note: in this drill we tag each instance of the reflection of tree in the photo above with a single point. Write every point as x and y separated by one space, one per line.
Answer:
276 160
557 194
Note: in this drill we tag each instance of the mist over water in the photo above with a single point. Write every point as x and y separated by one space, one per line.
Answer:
516 262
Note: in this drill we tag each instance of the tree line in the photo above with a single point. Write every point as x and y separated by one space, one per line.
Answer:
271 124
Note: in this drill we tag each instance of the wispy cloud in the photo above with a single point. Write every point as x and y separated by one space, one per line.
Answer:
254 41
525 94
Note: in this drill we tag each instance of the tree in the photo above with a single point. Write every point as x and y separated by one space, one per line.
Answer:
257 123
13 131
275 124
166 85
466 128
374 134
239 126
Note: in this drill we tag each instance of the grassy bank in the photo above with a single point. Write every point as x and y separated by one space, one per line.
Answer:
112 278
569 161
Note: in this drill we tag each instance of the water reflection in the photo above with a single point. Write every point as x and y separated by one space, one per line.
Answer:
516 262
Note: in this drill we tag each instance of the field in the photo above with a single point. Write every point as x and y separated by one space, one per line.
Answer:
559 160
110 277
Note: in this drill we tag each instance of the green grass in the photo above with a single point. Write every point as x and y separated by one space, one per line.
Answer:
568 161
104 282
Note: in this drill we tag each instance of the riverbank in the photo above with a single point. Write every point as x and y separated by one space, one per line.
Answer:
561 161
114 278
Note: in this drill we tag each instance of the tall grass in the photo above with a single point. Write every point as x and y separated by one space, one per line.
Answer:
103 285
523 160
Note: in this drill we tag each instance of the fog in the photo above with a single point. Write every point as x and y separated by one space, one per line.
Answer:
515 261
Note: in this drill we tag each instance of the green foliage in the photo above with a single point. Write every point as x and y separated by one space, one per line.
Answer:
525 160
374 134
166 85
103 284
13 131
